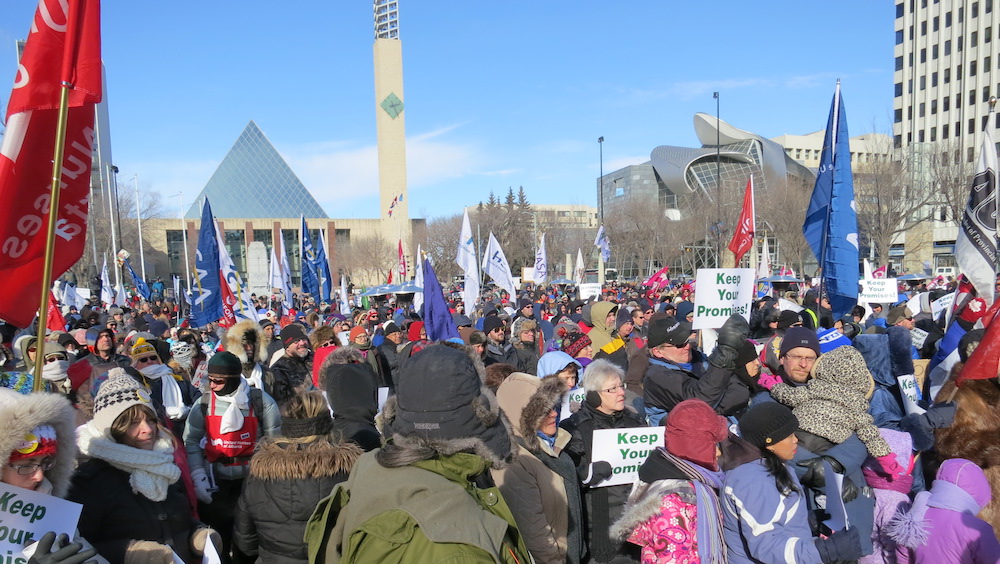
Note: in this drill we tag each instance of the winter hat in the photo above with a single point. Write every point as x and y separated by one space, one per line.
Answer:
116 395
461 320
65 339
668 330
966 475
491 322
141 347
157 328
442 403
523 303
115 310
787 317
225 363
693 431
684 309
389 328
747 353
573 343
356 332
265 323
413 332
898 314
292 428
767 423
624 316
41 441
553 362
291 333
797 337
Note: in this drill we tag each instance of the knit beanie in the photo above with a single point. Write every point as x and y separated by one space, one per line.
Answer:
226 364
357 331
573 343
41 441
767 423
322 424
141 347
693 431
491 322
786 318
390 328
797 337
292 333
116 395
624 316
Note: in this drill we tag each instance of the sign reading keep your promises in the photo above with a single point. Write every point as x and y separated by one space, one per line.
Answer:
26 515
625 450
722 292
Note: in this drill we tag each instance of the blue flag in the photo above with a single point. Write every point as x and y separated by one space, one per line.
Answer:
438 322
831 225
310 281
140 284
206 305
322 266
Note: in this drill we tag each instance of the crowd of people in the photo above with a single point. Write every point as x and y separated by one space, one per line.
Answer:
311 436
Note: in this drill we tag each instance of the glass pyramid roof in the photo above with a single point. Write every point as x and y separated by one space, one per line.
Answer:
253 181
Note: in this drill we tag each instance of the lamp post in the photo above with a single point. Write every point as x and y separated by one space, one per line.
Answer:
600 257
718 183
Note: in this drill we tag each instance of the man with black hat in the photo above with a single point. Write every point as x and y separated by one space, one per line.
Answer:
292 373
390 346
497 350
228 420
670 380
525 308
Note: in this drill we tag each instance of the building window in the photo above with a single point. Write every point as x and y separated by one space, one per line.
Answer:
988 6
910 61
923 82
946 103
947 76
987 62
958 101
961 14
899 63
961 41
933 134
920 136
899 10
947 19
909 112
923 55
934 79
923 28
909 138
988 35
899 89
923 107
986 93
933 107
998 121
975 9
897 140
972 126
972 97
934 52
958 72
972 68
947 48
958 132
897 116
944 131
974 39
937 23
969 154
986 121
899 37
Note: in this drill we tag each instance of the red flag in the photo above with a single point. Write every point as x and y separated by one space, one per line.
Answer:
984 363
880 272
743 235
658 279
55 320
403 274
64 45
228 303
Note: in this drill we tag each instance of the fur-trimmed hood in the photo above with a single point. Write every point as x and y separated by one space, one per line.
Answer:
241 333
526 400
284 460
19 414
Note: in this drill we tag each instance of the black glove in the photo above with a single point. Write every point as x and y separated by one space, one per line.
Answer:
941 415
71 553
599 471
815 476
732 335
842 545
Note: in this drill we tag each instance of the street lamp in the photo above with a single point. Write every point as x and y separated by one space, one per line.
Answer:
718 182
600 144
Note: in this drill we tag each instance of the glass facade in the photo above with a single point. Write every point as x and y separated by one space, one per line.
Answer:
253 181
265 236
175 252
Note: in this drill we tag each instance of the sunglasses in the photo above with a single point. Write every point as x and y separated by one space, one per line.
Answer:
218 381
147 359
55 358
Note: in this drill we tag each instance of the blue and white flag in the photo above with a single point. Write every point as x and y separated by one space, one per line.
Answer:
976 245
310 280
541 274
602 243
495 264
244 308
438 322
323 270
107 294
206 305
468 259
831 224
345 304
140 284
418 279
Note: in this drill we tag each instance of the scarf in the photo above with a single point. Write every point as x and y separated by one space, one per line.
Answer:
170 391
232 419
256 378
912 529
711 546
150 471
55 371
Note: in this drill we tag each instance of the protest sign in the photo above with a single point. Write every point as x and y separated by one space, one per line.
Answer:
910 392
625 450
942 304
576 396
918 337
26 515
879 290
721 293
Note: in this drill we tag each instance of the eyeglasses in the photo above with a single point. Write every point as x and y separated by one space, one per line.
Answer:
54 358
28 469
146 359
218 381
614 389
802 358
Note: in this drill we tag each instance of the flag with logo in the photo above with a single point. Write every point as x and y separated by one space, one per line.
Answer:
310 280
467 259
438 322
743 235
418 280
63 47
976 247
601 242
579 269
323 274
206 293
404 274
495 264
140 284
764 271
107 295
235 294
541 274
281 277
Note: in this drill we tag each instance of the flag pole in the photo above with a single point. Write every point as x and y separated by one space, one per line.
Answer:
996 264
829 207
57 159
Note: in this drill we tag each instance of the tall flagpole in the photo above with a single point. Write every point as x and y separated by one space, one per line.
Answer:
829 207
138 218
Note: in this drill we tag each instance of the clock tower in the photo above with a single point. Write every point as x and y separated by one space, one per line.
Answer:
390 122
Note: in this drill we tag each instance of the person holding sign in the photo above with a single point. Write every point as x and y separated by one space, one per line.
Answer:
762 500
603 408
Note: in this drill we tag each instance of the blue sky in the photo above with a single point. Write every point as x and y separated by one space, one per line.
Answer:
497 94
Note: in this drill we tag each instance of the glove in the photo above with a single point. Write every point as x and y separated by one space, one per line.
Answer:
599 471
940 415
70 553
734 332
202 487
148 552
972 312
201 536
768 381
891 466
842 545
815 476
724 357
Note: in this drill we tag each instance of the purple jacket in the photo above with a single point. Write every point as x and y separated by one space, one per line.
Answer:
942 526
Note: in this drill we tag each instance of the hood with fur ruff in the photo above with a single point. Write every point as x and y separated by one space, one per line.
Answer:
19 414
241 333
279 460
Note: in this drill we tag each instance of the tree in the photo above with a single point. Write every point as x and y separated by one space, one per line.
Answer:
951 176
781 212
442 245
368 260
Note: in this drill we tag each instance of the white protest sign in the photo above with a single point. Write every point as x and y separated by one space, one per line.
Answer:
575 396
918 337
879 290
942 304
625 450
911 393
835 500
721 293
788 305
26 515
383 396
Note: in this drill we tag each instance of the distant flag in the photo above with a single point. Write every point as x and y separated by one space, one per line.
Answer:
579 269
495 264
659 279
468 260
601 242
400 197
764 271
881 272
107 295
323 270
310 281
240 303
404 274
438 322
345 304
418 279
743 235
976 247
120 297
206 306
280 276
831 224
54 319
140 284
541 273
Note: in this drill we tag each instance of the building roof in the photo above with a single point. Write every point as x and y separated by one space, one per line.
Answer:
253 181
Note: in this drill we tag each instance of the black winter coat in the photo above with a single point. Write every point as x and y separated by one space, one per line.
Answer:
350 389
286 482
289 377
664 387
113 515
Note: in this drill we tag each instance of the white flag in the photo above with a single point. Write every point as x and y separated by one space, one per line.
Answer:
120 297
280 277
541 274
975 247
601 242
578 271
468 260
764 263
495 264
244 307
345 305
107 296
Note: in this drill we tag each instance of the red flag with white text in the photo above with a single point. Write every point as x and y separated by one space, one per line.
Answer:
881 272
743 234
403 274
64 45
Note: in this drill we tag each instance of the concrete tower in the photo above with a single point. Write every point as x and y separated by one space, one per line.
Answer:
390 124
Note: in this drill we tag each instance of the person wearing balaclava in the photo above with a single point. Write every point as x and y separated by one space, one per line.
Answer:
229 421
444 431
172 395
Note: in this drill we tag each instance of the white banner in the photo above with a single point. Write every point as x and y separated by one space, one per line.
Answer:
721 293
879 290
942 304
575 396
625 450
26 515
